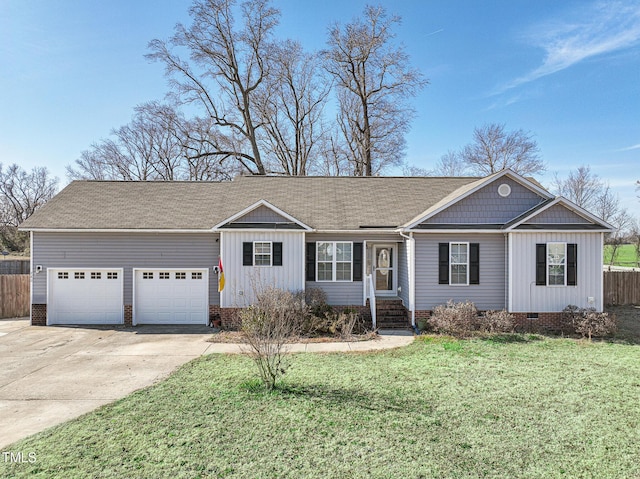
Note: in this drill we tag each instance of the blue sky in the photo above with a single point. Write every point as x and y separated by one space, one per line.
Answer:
568 72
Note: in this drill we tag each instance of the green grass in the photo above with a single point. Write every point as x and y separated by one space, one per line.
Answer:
512 406
625 255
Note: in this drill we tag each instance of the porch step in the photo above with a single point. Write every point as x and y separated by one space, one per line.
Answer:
391 314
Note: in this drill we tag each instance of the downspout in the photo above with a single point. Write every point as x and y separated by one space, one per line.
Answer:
411 263
507 270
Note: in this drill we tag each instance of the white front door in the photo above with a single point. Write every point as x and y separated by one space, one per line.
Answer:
384 269
171 296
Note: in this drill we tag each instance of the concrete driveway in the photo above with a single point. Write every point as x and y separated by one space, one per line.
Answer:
50 374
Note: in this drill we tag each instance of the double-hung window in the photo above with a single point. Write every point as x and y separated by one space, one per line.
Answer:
556 264
334 261
459 263
262 253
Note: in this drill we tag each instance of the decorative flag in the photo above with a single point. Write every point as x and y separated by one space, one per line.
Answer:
220 275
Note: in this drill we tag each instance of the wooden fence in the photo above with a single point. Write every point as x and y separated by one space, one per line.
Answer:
15 266
622 287
14 295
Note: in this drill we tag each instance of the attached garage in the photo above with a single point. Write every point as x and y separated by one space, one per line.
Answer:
170 296
84 296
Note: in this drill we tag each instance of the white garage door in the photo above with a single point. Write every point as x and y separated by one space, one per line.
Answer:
84 296
171 296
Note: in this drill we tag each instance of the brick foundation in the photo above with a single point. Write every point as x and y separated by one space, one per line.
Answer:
526 323
128 315
38 315
544 323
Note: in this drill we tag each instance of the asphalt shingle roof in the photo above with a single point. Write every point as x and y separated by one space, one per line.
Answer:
324 203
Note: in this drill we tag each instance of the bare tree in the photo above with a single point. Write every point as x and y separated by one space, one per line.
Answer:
374 82
158 144
450 164
581 187
494 149
230 62
291 108
21 194
147 148
588 190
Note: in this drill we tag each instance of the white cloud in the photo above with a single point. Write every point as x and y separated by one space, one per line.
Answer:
599 29
629 148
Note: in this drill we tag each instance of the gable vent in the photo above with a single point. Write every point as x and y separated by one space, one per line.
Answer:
504 190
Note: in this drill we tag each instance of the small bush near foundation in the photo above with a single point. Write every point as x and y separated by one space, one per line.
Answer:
456 319
592 323
496 322
588 322
267 327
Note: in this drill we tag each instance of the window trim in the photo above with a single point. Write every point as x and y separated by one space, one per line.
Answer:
549 264
451 263
334 263
270 243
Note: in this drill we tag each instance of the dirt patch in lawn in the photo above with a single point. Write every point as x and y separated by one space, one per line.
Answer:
236 337
628 322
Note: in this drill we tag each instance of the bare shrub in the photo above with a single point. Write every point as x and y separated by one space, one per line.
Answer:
456 319
588 322
591 323
346 323
496 322
268 326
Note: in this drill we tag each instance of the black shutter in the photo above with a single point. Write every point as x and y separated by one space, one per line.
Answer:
541 264
247 254
357 261
277 254
474 263
311 261
572 264
443 263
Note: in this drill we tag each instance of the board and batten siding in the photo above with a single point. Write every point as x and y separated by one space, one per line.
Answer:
527 297
241 282
489 294
348 293
123 250
487 206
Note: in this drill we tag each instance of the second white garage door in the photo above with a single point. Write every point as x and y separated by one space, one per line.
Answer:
171 296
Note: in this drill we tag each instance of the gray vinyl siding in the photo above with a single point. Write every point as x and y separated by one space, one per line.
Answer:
489 294
346 293
261 214
526 296
123 250
558 214
403 273
487 206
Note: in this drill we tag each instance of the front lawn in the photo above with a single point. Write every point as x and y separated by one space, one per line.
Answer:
516 406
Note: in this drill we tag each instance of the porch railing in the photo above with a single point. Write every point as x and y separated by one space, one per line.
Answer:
371 296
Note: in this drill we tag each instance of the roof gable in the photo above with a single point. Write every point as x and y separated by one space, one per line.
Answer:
262 215
480 203
558 213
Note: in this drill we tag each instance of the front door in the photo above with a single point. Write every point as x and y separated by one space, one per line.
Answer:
384 269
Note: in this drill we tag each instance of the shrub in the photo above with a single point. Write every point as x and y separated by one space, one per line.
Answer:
588 322
457 319
496 322
591 323
267 326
